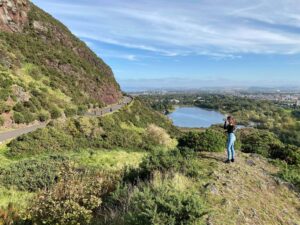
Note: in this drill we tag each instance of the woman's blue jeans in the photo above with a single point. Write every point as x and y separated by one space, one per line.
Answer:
230 146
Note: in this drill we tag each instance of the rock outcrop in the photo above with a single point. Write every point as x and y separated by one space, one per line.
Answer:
13 15
67 62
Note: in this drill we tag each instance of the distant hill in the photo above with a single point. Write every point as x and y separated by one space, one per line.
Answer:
45 71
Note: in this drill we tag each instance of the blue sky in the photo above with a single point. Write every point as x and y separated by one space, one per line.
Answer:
197 42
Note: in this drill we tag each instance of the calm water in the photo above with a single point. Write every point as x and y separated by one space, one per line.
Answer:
195 117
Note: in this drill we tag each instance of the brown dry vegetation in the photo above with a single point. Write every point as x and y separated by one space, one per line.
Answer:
247 193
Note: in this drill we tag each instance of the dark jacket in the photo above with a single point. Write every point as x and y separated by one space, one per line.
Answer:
229 128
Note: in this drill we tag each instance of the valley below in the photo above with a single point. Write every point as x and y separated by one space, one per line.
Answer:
76 150
194 117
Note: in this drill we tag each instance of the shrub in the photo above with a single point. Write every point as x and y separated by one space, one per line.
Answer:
158 136
210 140
30 106
55 113
4 108
259 141
82 109
22 112
18 118
70 112
162 202
33 174
35 102
288 153
40 141
184 161
163 161
34 72
18 107
86 125
5 81
71 201
28 116
9 215
1 121
5 93
122 138
43 116
190 140
291 174
290 135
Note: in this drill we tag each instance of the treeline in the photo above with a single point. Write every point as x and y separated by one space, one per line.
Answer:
261 114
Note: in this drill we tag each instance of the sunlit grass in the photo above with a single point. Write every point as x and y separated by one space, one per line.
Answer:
27 79
178 181
18 198
108 160
4 161
127 126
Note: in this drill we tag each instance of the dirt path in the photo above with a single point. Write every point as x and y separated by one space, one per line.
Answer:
97 112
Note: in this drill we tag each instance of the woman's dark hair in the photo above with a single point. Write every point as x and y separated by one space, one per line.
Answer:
231 120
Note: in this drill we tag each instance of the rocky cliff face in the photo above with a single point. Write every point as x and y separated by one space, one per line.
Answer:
45 71
64 59
13 15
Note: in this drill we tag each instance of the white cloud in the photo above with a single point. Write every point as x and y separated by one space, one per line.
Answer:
218 28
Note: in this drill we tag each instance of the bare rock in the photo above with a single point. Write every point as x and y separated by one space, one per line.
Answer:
225 202
212 188
20 93
13 15
253 213
250 162
39 27
209 221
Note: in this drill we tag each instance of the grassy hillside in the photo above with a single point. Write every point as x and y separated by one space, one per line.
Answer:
132 127
130 167
125 168
95 146
46 72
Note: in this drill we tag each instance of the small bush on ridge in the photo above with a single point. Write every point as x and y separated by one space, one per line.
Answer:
210 140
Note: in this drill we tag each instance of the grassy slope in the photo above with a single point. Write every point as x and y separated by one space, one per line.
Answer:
108 161
52 68
132 119
238 193
247 193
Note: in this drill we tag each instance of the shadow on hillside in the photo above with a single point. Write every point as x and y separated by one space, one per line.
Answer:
214 157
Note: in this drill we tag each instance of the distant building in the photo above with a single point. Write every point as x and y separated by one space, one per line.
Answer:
175 101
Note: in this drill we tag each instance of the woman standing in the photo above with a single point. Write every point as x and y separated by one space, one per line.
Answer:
230 126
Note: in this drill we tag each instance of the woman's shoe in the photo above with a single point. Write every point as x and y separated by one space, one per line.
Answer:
227 161
232 160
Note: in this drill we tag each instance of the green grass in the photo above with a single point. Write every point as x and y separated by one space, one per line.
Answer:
107 160
18 198
26 76
3 159
131 127
102 160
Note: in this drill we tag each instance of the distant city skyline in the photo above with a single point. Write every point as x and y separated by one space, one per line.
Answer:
191 43
136 85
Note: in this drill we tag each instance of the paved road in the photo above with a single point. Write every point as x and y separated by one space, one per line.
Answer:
15 133
100 112
95 113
